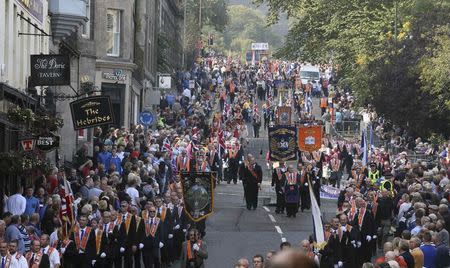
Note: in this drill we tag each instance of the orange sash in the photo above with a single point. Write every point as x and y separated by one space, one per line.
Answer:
82 244
190 256
362 211
291 178
151 229
37 259
127 222
98 240
253 172
162 216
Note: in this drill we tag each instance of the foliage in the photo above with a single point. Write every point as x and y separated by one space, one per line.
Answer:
246 26
32 122
15 163
394 54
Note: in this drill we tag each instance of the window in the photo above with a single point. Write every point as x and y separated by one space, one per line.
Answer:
113 30
81 134
87 25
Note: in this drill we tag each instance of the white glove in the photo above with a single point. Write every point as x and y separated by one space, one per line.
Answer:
184 230
141 246
374 237
368 238
161 244
306 184
93 262
314 182
196 247
63 250
170 236
176 227
122 250
340 264
103 255
343 228
358 244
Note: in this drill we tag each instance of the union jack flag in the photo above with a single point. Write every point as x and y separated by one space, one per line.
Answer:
67 215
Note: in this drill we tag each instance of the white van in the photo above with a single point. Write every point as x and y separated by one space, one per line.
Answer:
309 73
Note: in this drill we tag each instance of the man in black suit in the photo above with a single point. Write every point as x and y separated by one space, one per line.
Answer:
151 240
35 257
364 222
84 240
126 234
252 178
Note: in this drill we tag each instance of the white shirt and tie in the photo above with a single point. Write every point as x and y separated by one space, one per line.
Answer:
53 257
82 233
17 262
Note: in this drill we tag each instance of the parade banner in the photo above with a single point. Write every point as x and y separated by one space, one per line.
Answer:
91 111
282 143
309 138
198 194
329 192
284 115
49 70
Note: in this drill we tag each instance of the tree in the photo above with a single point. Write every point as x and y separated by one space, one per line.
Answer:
394 54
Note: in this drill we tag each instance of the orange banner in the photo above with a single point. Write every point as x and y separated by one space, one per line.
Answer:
309 138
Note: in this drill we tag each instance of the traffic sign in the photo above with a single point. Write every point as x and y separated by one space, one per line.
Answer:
146 118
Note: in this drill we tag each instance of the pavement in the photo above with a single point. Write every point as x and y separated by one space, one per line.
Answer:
233 232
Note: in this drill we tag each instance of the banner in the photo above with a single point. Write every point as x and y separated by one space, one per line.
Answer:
91 111
284 115
282 143
198 194
329 192
310 138
49 70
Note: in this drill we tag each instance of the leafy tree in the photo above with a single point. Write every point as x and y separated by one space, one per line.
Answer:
394 54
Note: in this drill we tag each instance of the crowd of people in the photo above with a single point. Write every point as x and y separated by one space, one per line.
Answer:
392 211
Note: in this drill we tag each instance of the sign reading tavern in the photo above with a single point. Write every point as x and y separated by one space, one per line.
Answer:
50 70
91 111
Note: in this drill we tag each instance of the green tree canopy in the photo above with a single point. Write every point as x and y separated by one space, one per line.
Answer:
394 54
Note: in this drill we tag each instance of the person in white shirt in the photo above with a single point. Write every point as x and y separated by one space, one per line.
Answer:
132 191
16 203
17 259
52 253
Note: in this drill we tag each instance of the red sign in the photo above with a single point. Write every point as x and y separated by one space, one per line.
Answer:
27 145
309 138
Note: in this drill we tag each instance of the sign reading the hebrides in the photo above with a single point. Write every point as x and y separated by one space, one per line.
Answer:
36 8
282 143
50 70
91 111
47 142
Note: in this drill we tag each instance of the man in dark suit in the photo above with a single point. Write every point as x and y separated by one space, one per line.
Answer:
84 240
126 234
164 214
35 257
180 222
194 251
99 256
364 222
111 235
151 240
252 177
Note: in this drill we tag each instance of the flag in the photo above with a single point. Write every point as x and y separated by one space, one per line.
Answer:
372 146
317 217
166 145
67 215
364 147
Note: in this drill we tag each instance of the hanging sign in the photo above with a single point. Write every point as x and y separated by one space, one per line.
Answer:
49 70
48 142
27 145
309 138
91 111
198 194
282 143
165 82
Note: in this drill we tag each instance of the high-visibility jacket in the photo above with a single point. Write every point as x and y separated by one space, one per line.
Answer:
323 102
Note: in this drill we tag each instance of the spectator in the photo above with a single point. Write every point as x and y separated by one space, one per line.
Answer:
442 252
416 252
13 233
429 251
32 203
16 203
